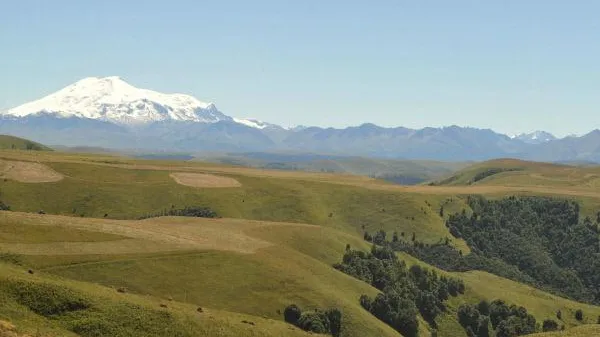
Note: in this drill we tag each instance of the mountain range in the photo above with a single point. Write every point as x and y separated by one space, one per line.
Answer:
109 112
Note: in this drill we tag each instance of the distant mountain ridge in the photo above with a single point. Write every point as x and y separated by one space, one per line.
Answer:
108 112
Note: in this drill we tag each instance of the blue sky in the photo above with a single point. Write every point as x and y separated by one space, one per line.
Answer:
512 66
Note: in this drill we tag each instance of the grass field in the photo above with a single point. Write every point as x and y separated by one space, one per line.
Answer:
280 233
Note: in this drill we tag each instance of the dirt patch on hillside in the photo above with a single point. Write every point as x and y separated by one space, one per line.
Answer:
204 180
28 172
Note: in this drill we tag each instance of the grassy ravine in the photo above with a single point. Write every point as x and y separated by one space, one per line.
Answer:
234 268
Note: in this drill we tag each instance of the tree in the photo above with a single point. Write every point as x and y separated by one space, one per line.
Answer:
335 321
579 315
468 317
499 311
483 327
292 314
379 238
314 321
442 211
549 325
559 314
484 308
395 237
598 321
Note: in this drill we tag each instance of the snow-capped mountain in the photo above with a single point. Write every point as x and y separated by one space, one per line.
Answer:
536 137
111 99
109 112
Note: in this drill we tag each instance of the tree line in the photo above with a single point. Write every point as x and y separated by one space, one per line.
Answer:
189 211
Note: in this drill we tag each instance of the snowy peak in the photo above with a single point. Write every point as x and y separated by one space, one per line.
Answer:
114 100
536 137
255 123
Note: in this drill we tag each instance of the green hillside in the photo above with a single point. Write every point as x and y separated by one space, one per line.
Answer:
16 143
276 241
510 172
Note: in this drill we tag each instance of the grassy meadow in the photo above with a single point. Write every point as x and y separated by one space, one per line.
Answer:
275 243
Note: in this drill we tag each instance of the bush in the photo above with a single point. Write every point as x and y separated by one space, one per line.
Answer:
579 315
292 314
329 321
188 211
549 325
335 321
314 321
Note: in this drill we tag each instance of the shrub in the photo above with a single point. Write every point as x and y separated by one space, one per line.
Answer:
292 314
549 325
188 211
579 315
335 321
328 321
314 321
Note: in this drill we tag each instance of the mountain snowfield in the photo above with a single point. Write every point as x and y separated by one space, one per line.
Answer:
536 137
113 100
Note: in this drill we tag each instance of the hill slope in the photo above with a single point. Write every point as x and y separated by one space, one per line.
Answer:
16 143
280 234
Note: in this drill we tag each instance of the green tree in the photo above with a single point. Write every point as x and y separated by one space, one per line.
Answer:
314 321
484 308
483 327
292 314
335 321
579 315
549 325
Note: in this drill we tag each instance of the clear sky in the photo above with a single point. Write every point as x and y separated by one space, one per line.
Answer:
512 66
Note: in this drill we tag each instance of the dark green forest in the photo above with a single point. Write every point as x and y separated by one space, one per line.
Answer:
406 292
536 240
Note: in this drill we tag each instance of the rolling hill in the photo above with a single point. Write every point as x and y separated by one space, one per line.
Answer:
76 259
